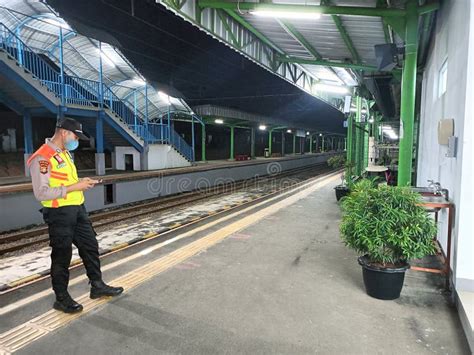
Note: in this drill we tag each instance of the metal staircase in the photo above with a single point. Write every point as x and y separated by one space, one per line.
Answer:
28 81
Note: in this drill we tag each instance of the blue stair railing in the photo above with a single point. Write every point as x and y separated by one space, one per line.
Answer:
86 93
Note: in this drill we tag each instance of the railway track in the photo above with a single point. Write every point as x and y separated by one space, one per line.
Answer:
15 241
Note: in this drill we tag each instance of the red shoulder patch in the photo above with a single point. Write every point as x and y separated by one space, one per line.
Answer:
43 166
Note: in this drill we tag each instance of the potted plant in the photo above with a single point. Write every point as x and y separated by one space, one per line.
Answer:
344 188
388 227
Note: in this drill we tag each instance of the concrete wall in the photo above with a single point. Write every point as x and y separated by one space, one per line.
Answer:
119 157
163 156
160 156
23 208
454 42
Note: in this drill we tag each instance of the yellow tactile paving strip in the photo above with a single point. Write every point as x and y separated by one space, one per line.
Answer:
44 324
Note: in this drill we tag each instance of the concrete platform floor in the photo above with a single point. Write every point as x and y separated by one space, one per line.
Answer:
283 285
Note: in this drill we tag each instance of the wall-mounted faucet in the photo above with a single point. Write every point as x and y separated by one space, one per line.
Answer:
437 189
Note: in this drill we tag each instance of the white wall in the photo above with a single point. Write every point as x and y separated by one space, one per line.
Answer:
120 157
453 41
162 156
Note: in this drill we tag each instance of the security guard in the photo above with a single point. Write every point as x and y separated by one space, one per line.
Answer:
60 191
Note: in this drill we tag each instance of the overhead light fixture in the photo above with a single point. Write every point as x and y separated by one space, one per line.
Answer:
219 121
331 88
320 134
288 131
353 109
262 127
107 59
388 130
287 14
371 120
57 23
307 133
164 97
138 81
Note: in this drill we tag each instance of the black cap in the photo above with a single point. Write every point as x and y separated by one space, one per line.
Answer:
73 126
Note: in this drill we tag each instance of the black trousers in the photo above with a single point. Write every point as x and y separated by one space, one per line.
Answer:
71 225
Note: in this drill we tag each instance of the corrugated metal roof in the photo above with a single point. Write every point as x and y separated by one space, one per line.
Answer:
38 26
323 35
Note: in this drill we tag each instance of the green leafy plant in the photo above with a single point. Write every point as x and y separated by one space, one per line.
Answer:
337 161
347 178
386 223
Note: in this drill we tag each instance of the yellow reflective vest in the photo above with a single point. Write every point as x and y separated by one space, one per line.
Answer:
62 172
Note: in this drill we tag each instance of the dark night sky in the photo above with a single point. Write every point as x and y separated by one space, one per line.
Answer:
166 49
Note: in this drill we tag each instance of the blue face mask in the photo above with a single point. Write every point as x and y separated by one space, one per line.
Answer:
71 144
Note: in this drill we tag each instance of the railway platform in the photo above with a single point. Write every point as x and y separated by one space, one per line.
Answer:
124 188
267 277
13 184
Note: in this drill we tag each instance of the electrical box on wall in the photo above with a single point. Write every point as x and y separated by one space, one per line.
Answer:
445 130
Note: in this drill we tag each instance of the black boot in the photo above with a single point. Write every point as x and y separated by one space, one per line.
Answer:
100 288
65 303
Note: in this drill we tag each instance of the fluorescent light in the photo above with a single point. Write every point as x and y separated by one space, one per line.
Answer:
57 23
262 127
331 88
388 130
353 109
287 14
288 131
107 59
219 121
164 97
138 81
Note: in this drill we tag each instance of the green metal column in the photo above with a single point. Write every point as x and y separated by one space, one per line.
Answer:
203 143
232 142
407 108
310 143
366 147
270 142
322 144
357 135
379 128
350 139
294 143
365 156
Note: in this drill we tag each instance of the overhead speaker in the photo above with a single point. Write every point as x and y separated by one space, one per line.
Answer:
387 56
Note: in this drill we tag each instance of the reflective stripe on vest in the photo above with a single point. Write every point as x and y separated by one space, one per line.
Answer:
63 173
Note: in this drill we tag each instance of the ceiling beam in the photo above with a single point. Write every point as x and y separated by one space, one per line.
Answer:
328 63
345 36
386 30
250 28
292 31
327 10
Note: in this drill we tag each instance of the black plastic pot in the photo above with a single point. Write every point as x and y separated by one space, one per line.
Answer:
382 283
341 191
